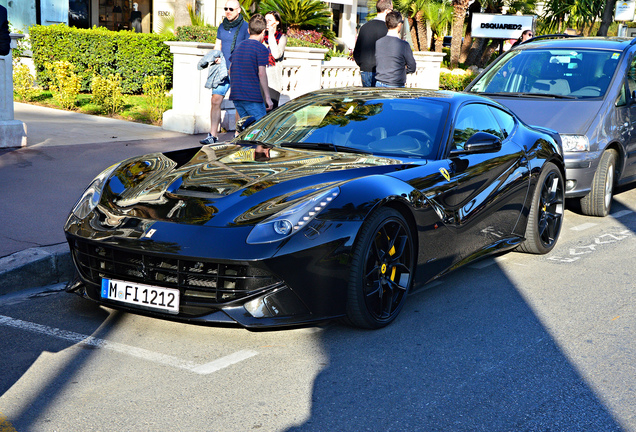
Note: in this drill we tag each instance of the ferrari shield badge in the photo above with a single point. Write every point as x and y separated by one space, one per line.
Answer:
445 173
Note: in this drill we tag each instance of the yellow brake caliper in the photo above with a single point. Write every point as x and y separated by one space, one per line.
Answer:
392 252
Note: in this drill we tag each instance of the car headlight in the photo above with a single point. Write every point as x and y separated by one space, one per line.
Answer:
90 198
287 222
575 143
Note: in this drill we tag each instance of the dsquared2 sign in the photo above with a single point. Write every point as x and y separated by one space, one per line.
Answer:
499 26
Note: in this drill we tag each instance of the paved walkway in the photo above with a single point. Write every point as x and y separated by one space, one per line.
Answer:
40 183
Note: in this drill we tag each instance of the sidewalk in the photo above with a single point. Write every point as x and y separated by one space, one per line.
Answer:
40 183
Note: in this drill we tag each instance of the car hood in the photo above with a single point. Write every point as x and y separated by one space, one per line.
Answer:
564 116
228 185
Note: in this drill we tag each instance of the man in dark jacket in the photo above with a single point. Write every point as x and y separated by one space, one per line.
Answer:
370 32
5 39
394 56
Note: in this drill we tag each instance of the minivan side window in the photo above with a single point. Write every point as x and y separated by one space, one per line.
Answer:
631 76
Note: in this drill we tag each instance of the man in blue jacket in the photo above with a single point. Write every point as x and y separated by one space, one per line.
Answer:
232 31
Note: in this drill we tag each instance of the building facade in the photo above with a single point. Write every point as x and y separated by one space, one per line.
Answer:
152 15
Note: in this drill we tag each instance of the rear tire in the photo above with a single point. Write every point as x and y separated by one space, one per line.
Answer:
546 213
382 270
599 201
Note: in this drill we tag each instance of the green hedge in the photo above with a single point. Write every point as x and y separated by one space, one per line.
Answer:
100 51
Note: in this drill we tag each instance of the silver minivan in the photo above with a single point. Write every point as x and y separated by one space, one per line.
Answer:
585 89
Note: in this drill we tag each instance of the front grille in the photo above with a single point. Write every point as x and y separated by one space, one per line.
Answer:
200 282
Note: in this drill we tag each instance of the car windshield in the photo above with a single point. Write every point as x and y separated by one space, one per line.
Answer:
558 73
386 126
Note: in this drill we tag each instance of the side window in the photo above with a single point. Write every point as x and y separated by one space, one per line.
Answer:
631 76
471 119
505 120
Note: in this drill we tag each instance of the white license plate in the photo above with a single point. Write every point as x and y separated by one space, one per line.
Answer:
164 299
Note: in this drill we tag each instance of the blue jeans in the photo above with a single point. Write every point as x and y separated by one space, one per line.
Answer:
381 84
249 108
368 79
222 88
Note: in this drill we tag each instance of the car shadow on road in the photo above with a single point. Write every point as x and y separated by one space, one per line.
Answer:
465 355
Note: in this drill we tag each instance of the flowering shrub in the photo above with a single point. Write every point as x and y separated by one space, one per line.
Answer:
23 83
65 83
311 36
155 87
456 79
196 34
107 92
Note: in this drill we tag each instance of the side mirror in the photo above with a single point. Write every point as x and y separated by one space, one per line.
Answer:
481 142
244 122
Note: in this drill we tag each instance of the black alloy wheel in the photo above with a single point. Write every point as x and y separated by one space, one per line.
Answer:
382 270
546 214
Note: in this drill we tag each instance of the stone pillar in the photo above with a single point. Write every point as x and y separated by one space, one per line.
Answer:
190 111
13 133
427 74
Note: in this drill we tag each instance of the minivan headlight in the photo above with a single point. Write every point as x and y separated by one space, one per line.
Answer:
91 196
285 223
575 143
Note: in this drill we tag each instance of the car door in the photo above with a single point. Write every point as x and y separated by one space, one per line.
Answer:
490 186
627 119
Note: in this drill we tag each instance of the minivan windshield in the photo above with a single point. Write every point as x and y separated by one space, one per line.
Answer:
558 73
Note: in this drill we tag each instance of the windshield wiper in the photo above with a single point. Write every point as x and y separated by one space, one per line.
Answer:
323 146
525 94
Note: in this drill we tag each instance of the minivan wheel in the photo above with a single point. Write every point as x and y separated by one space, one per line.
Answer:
599 201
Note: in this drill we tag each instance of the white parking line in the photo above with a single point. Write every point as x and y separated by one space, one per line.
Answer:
621 213
583 226
141 353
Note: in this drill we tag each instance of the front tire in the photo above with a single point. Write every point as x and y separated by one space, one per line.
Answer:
382 270
546 213
599 201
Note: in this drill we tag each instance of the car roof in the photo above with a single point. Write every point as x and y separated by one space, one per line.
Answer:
453 98
608 43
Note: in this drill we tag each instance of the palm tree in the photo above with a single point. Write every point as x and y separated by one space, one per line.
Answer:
413 9
459 14
580 14
300 14
438 16
607 17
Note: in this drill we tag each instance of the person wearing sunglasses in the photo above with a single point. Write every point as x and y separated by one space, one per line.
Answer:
527 34
232 31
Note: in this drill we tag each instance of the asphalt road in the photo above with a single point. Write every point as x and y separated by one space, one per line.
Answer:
513 343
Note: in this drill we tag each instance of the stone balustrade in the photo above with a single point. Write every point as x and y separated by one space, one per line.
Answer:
303 71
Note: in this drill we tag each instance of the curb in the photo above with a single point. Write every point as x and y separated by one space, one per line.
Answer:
35 267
